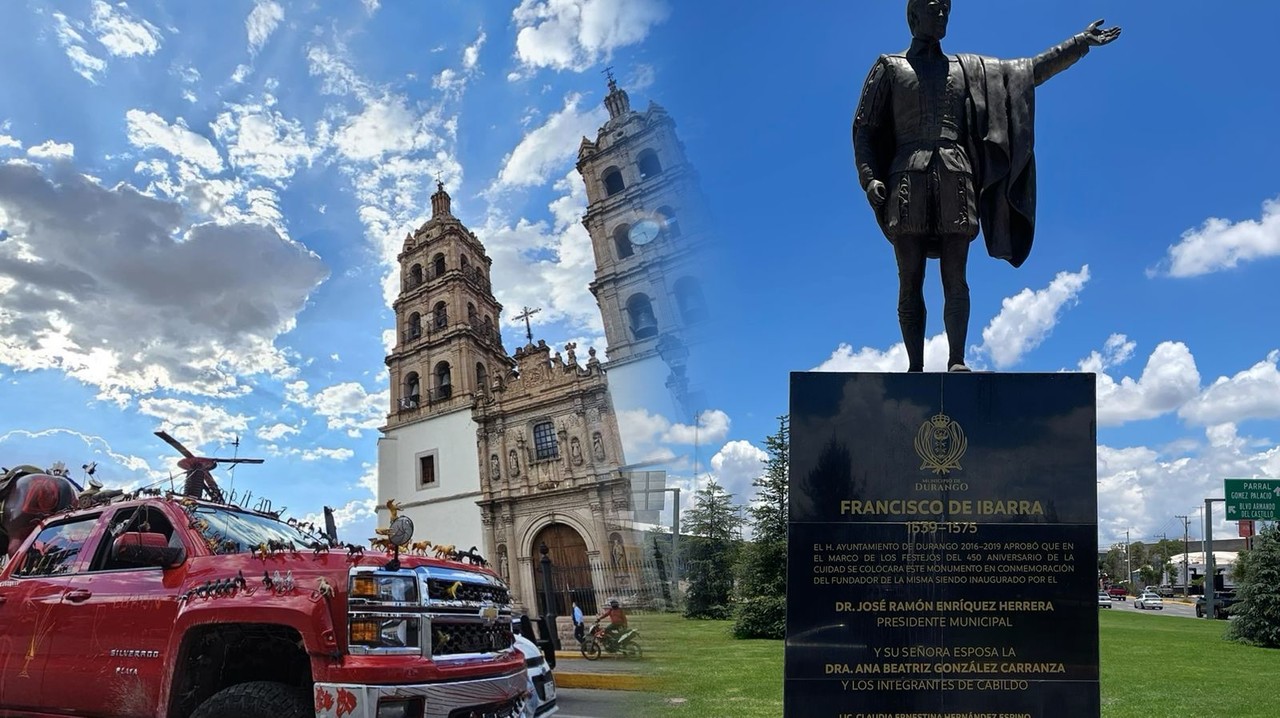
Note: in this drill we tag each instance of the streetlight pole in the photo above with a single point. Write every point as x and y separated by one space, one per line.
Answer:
548 595
1210 571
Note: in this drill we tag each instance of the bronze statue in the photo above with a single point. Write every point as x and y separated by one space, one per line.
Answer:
943 145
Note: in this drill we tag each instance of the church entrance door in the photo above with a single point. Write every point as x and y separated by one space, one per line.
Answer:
571 574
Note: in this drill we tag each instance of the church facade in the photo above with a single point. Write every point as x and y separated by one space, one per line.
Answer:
517 454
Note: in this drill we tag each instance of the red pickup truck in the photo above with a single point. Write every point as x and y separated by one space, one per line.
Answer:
171 607
1118 593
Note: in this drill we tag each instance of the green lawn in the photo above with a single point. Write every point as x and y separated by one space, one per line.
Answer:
1152 667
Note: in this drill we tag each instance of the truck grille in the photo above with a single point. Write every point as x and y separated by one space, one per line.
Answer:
506 709
439 590
475 637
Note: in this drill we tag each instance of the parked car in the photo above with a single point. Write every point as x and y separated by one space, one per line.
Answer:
541 683
1224 602
1117 593
1104 601
1149 599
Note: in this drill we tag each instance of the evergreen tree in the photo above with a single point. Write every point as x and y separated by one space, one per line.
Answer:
710 552
762 571
1257 611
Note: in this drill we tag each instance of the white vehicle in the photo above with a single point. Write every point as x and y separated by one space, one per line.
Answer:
1149 599
1104 601
542 685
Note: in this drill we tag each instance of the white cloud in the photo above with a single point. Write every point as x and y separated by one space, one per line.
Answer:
201 427
386 125
88 268
550 147
50 150
1220 244
262 21
844 358
277 432
712 426
6 142
1026 319
1168 380
263 142
346 406
1141 488
148 130
575 34
319 453
1117 350
1251 394
121 33
471 54
86 65
371 6
736 465
537 264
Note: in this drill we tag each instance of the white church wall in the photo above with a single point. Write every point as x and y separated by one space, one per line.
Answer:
445 512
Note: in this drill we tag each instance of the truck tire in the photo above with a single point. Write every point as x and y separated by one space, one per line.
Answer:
257 699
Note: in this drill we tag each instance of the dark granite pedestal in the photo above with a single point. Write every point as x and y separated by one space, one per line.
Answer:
943 547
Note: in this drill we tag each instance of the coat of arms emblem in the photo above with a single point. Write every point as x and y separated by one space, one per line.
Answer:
940 443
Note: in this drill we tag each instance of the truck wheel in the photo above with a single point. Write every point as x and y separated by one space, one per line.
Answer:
256 699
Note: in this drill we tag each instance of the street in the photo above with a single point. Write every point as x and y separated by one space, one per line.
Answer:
1171 608
584 703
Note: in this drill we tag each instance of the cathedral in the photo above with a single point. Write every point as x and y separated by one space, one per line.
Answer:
520 455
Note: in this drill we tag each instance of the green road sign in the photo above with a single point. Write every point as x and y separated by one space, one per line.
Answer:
1253 499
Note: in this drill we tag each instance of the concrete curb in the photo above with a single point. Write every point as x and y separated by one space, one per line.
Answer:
603 681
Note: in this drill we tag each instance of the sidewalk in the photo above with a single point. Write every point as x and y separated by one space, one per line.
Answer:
613 673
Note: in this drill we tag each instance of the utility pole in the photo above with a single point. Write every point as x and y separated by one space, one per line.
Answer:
1128 561
1186 549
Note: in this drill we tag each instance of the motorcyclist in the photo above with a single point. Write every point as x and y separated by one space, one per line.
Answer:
617 621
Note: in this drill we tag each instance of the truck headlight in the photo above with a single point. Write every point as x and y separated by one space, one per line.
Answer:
373 587
385 632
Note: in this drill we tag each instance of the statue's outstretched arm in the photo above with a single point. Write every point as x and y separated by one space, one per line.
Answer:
1064 55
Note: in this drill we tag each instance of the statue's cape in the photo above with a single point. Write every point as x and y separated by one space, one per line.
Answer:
1002 93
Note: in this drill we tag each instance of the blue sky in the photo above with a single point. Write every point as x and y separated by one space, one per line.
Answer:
201 204
1157 239
200 208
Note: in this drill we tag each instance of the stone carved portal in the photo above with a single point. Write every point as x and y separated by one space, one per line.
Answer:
570 572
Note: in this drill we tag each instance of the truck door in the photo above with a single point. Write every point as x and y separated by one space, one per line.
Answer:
115 622
28 612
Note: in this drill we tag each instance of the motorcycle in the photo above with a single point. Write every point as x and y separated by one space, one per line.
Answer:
600 641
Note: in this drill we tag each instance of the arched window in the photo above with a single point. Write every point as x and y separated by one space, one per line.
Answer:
444 381
472 319
440 316
544 441
622 242
640 311
412 391
649 164
670 224
689 300
482 377
437 266
613 181
415 275
488 329
414 328
464 264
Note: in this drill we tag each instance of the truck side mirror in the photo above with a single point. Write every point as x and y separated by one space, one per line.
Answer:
145 548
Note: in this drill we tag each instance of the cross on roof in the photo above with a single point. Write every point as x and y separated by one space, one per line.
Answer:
528 330
608 72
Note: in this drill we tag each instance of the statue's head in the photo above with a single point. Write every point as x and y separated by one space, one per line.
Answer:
928 18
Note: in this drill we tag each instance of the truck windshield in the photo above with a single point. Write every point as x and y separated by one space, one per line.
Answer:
231 531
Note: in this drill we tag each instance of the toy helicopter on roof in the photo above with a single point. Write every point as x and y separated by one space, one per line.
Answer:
200 481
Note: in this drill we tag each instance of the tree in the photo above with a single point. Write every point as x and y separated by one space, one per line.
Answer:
1257 608
762 571
710 552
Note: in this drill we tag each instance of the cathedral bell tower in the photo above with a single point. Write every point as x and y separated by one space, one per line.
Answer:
447 353
649 234
448 345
